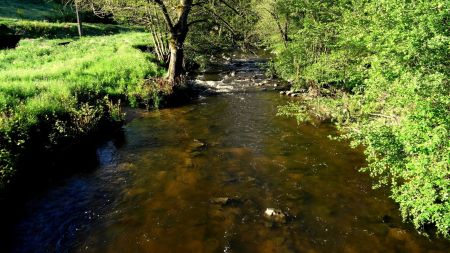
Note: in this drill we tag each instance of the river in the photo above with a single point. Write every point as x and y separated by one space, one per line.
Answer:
201 178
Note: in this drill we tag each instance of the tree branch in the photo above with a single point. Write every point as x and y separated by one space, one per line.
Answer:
165 13
197 21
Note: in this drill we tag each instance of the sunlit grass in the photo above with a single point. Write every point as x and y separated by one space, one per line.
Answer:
103 65
65 88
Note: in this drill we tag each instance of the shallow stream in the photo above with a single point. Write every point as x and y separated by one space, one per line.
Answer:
200 178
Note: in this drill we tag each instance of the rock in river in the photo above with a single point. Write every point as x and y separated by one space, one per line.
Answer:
225 201
275 215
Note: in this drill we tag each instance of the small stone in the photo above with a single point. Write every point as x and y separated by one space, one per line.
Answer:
198 144
398 234
221 201
282 92
294 95
225 201
275 215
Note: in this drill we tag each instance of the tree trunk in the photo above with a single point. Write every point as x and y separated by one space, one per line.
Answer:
79 24
178 33
176 69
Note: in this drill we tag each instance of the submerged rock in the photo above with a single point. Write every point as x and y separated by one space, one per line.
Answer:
276 215
386 219
398 234
198 144
197 147
226 201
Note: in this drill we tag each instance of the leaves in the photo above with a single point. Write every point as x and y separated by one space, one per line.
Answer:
390 58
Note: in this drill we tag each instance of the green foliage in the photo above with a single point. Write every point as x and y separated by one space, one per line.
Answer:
297 110
6 168
388 65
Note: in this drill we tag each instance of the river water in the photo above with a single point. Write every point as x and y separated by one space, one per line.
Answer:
200 177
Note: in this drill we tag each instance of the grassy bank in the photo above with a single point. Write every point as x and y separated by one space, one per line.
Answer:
31 9
52 93
55 30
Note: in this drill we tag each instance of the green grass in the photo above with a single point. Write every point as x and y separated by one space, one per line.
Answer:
56 88
53 30
30 9
109 65
47 19
52 93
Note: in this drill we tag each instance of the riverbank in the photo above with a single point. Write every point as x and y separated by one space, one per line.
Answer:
54 92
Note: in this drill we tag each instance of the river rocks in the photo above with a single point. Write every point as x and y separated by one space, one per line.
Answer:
275 215
198 144
215 86
291 93
398 234
401 235
197 147
225 201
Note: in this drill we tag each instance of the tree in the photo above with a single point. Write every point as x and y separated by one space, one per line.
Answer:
79 5
169 22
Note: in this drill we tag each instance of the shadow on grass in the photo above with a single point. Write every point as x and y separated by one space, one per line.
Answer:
48 30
